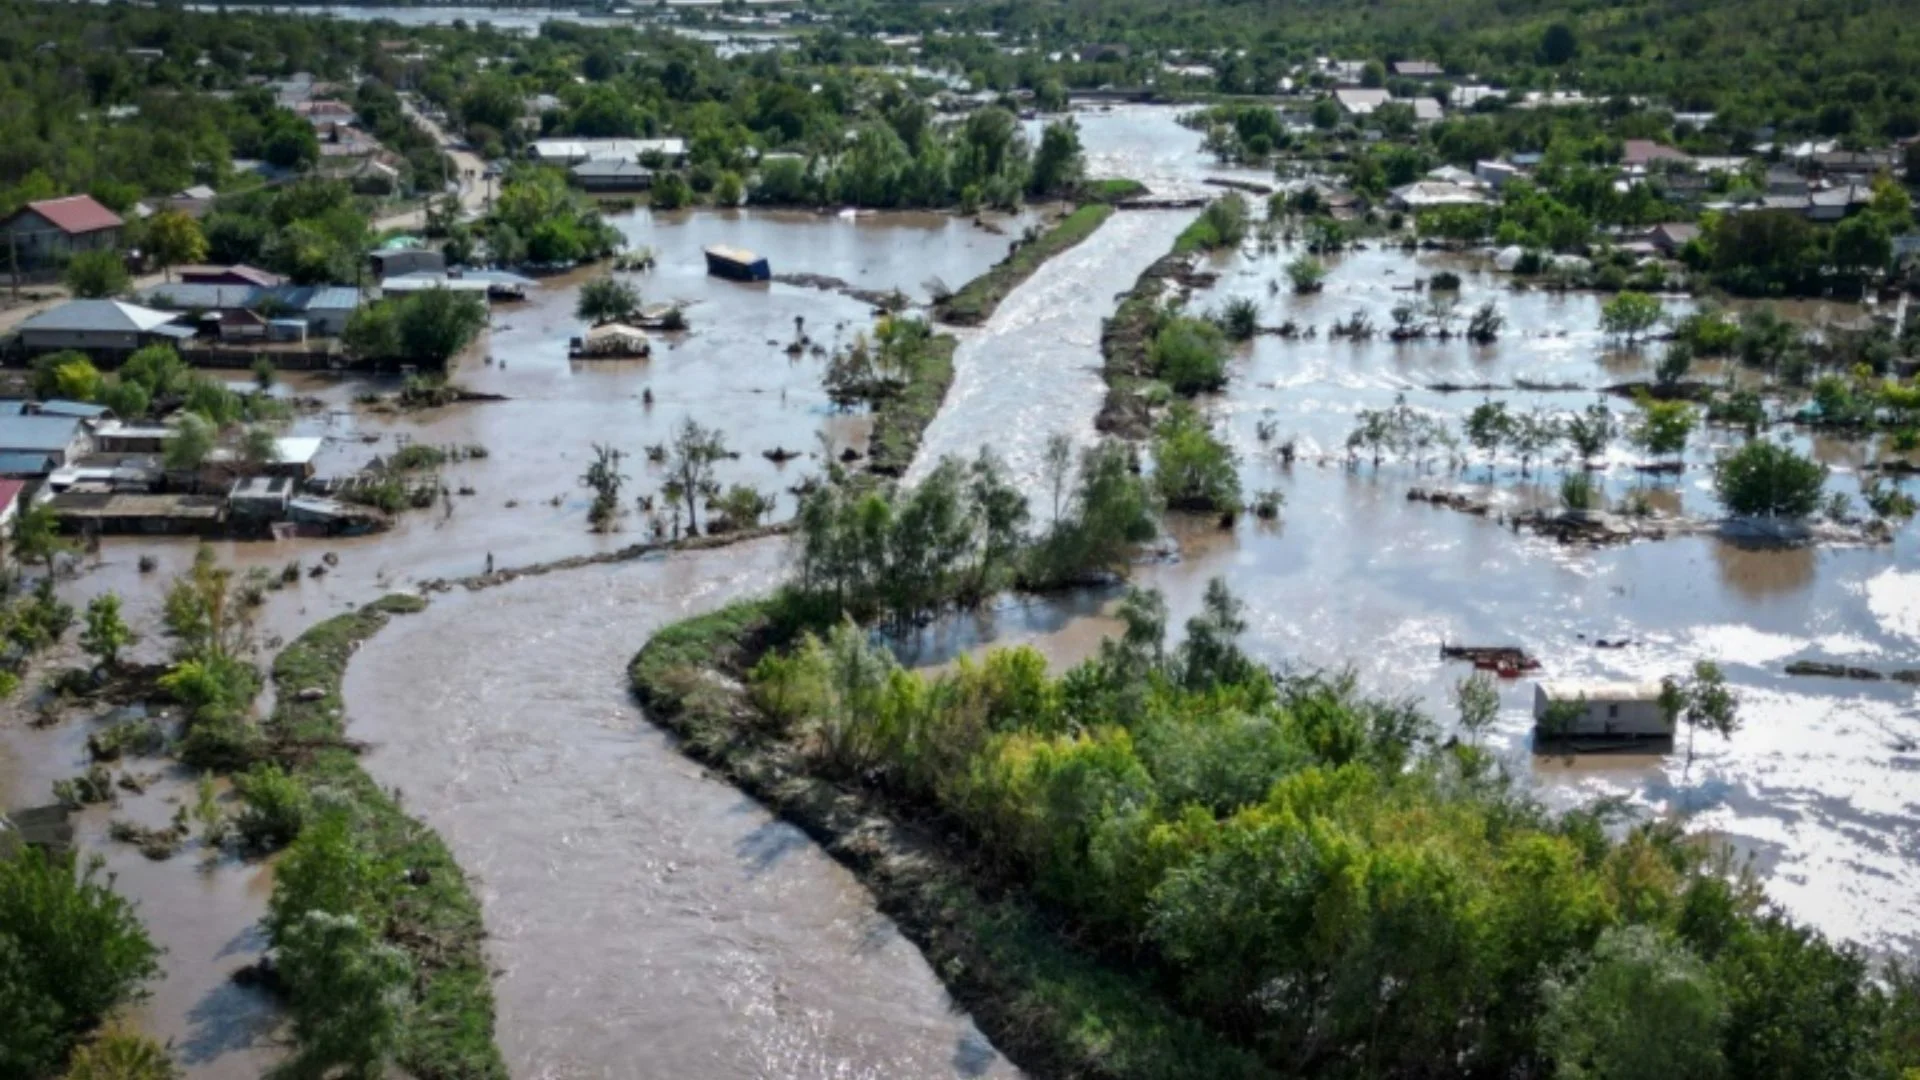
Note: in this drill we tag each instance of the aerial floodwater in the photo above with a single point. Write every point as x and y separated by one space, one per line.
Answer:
645 918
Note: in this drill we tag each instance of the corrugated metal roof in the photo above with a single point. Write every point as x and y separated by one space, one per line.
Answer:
76 214
23 464
334 298
98 315
81 409
37 433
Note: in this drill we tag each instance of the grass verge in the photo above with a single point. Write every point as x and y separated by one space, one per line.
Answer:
977 299
448 1031
900 420
1054 1009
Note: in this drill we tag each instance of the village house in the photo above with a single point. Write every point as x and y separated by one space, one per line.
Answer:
1600 711
1429 194
1361 101
570 152
1641 154
1418 69
47 233
253 312
612 176
36 445
105 326
396 261
1669 238
240 274
1496 174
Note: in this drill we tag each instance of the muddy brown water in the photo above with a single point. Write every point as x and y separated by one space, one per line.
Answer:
645 918
643 912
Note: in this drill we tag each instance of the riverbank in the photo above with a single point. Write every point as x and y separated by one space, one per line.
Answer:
975 301
1041 998
433 916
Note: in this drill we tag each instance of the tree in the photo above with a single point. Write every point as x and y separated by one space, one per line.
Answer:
1588 432
1862 245
36 537
607 299
1643 1008
1057 468
190 444
1558 44
68 375
159 370
1326 114
1674 364
670 192
1478 699
121 1055
690 461
1629 315
106 633
1189 355
1531 434
1192 468
259 447
71 951
347 989
1664 426
1488 426
435 324
1703 701
729 190
373 331
603 475
1766 479
175 239
1058 166
93 275
1307 273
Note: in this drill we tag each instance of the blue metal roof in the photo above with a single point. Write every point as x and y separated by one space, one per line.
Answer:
334 298
25 464
37 433
80 409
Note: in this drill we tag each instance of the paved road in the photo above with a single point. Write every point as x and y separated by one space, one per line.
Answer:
469 168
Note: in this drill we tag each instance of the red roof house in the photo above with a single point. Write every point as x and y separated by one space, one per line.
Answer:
51 231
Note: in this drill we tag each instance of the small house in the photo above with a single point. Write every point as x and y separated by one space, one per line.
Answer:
122 437
612 176
260 498
1417 69
45 234
394 262
293 456
57 438
1496 174
1643 153
1361 101
240 275
1669 238
106 325
1600 711
113 512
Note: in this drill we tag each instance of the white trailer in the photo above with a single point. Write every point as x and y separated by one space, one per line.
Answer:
1600 712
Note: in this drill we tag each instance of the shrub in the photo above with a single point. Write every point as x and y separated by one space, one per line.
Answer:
1578 491
275 807
1766 479
71 950
121 1055
1192 468
1239 320
1189 355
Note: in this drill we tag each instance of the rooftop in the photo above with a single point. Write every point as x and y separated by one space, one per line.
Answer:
76 214
37 434
99 315
9 492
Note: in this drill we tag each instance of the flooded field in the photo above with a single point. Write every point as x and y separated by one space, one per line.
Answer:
642 911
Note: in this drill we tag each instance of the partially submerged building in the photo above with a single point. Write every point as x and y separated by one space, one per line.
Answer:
1600 712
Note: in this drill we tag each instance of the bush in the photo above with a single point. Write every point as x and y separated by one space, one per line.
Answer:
1579 492
1239 320
1189 355
1192 468
1766 479
275 807
121 1055
71 951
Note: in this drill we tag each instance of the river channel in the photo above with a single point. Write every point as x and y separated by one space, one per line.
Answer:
648 920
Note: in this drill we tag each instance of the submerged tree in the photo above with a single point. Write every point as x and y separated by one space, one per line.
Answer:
1702 700
607 299
603 475
691 458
